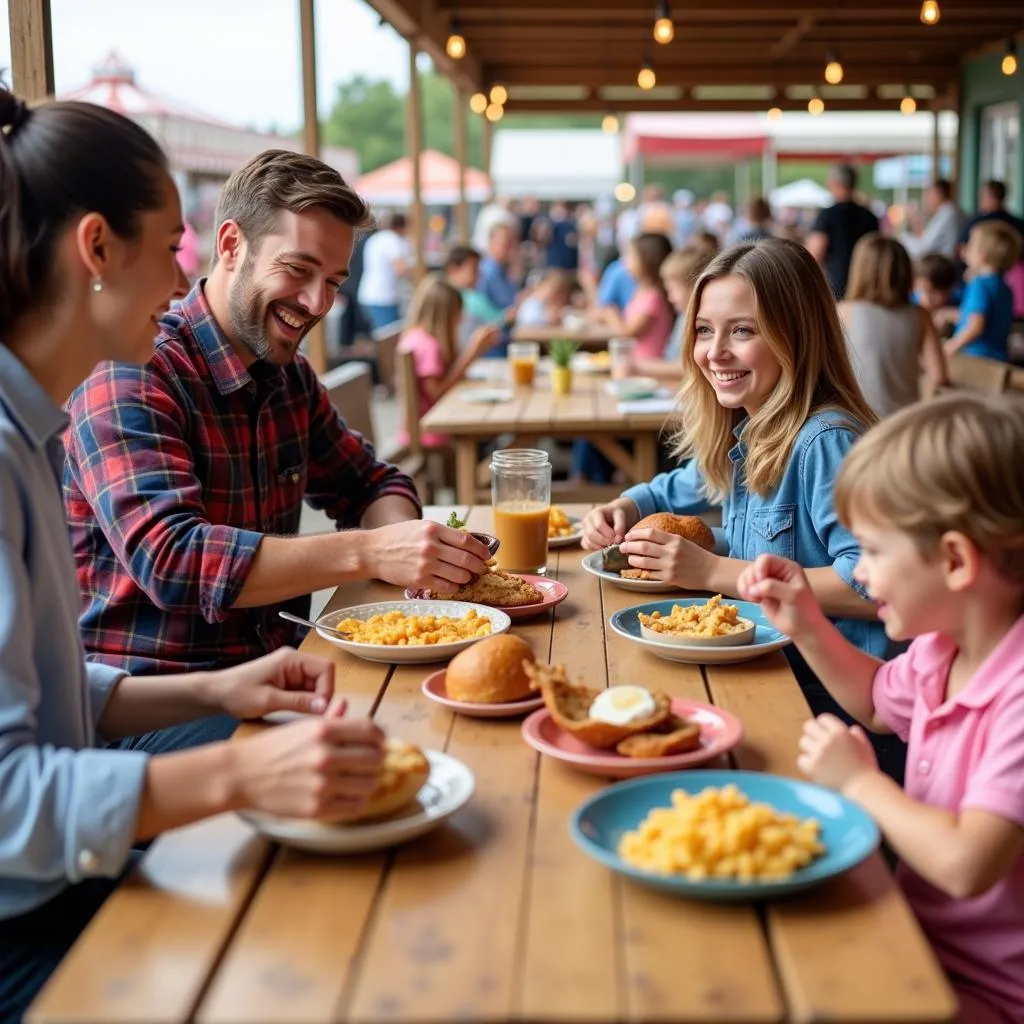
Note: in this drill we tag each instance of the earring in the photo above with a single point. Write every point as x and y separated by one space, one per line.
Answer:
97 284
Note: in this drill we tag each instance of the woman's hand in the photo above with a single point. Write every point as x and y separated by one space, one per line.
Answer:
669 558
286 680
833 754
324 767
607 524
483 339
784 593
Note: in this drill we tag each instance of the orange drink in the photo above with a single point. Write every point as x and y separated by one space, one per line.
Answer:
523 357
522 529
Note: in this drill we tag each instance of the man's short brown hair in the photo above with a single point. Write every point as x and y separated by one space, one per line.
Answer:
276 180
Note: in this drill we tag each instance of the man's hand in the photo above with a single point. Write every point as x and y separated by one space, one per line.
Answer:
424 555
286 680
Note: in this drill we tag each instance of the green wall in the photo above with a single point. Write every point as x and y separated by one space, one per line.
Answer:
981 84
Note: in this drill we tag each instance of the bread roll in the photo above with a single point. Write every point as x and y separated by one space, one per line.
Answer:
405 771
691 528
491 671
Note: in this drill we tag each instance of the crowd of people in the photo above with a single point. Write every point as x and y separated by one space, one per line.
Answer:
153 461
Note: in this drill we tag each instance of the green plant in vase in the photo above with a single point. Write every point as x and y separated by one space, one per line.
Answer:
561 351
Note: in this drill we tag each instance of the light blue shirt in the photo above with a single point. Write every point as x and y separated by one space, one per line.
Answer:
617 286
67 812
797 520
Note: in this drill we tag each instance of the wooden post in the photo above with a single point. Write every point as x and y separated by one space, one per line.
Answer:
31 48
488 144
316 340
936 145
414 148
459 126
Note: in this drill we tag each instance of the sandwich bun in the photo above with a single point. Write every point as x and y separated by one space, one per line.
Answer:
491 671
691 528
403 774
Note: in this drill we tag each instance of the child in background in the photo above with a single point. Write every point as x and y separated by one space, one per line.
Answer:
935 283
939 519
679 274
546 306
648 316
432 338
986 310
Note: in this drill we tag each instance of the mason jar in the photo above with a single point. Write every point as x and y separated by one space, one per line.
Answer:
521 500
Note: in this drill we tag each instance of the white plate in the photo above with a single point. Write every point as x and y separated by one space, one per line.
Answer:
737 639
573 538
592 564
448 787
414 655
487 396
584 362
633 387
488 370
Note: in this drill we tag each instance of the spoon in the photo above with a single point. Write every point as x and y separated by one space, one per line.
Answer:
315 625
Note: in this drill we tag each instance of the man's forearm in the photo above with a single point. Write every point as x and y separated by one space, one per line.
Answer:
391 508
143 704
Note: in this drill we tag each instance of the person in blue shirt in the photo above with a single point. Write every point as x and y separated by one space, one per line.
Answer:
770 406
495 281
87 268
986 309
616 286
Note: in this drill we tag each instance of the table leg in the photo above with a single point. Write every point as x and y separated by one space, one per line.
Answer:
465 470
645 457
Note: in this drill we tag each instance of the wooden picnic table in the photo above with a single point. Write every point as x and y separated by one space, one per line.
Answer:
533 413
590 337
496 916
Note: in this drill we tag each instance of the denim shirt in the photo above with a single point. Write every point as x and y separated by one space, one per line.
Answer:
67 812
796 521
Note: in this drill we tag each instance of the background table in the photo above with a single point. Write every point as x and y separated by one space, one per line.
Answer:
533 413
590 338
496 916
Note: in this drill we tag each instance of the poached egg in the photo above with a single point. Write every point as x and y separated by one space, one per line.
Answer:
621 705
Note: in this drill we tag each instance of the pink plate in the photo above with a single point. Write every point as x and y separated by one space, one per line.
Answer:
433 687
553 591
719 731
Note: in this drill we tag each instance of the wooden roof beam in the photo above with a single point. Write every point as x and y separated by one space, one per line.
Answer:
687 104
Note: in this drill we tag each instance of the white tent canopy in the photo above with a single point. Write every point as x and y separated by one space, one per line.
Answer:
577 163
801 195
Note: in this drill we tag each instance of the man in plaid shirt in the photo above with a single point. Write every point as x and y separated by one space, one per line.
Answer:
185 478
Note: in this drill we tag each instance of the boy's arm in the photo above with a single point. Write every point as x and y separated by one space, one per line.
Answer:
971 331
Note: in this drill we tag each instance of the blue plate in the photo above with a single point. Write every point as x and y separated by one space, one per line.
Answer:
766 637
847 831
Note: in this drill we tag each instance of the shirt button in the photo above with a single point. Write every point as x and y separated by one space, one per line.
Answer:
924 766
88 862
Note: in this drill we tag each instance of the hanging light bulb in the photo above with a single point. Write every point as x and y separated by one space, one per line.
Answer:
815 105
455 47
609 124
646 78
833 70
664 30
1009 64
774 113
499 95
908 105
930 12
495 112
624 192
478 103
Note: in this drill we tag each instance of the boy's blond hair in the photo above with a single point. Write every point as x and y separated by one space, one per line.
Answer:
685 265
954 463
998 244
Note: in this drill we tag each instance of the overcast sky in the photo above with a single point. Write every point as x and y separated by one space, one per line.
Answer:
236 59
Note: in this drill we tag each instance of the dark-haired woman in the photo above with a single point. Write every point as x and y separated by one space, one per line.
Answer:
89 226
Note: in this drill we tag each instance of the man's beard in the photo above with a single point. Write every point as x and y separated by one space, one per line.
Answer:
248 314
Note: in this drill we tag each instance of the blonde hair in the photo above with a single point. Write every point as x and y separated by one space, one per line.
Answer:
949 464
685 265
998 243
798 319
436 308
880 272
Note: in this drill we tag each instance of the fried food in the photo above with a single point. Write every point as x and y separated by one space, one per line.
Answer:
719 833
569 705
675 735
636 574
691 528
496 589
559 523
396 629
491 672
706 620
403 774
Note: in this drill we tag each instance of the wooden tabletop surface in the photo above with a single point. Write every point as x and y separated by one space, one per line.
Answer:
589 337
496 916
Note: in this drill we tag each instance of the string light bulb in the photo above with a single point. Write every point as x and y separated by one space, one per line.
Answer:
625 192
495 112
815 106
664 30
478 103
646 78
499 95
455 47
833 70
774 113
609 124
930 12
908 105
1009 65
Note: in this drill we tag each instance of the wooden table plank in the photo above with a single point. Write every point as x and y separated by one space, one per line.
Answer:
856 927
591 338
149 952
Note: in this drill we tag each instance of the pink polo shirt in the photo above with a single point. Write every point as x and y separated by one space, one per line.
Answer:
428 360
966 753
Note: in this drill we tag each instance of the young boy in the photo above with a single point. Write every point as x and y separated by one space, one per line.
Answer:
935 278
986 311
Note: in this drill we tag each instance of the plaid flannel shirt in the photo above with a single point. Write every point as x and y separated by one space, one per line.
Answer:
174 473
